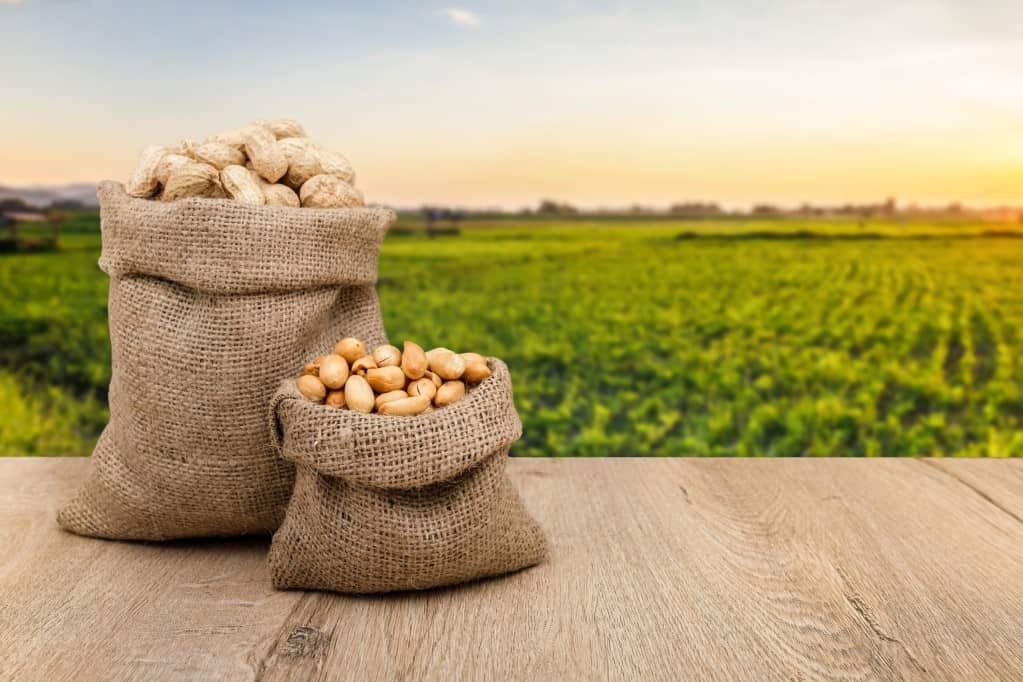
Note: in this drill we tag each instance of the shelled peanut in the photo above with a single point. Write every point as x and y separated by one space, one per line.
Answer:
390 381
265 163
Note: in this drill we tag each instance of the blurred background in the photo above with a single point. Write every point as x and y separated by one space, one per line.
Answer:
783 230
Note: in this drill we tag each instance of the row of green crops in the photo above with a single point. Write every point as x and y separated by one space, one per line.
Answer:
625 340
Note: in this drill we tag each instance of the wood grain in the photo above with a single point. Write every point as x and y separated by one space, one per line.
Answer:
1000 485
660 569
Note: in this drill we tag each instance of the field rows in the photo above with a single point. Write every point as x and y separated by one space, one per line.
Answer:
628 341
639 344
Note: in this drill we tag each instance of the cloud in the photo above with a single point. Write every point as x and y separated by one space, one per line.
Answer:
460 17
10 2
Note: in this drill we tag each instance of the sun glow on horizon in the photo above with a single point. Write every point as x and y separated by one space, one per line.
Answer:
601 105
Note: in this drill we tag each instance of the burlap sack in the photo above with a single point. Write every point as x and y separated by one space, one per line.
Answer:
212 303
397 503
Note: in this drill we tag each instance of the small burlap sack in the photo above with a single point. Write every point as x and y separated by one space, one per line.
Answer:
211 304
397 503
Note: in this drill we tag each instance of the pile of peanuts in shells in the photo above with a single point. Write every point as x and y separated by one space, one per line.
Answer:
265 163
390 381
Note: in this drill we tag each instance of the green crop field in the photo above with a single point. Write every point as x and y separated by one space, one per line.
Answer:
635 338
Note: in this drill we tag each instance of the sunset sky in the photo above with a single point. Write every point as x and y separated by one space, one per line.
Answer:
504 103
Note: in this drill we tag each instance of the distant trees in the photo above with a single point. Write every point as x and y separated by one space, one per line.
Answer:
766 211
887 210
695 209
67 205
436 216
550 207
14 205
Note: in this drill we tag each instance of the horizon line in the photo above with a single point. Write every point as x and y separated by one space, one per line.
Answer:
625 206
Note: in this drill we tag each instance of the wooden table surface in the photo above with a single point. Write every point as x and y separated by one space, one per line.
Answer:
660 569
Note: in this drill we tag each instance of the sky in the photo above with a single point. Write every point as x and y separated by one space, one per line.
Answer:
502 104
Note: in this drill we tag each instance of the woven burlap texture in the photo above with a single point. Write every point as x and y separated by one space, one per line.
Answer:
211 304
400 503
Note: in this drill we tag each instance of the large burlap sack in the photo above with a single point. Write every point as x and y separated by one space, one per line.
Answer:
386 503
211 304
